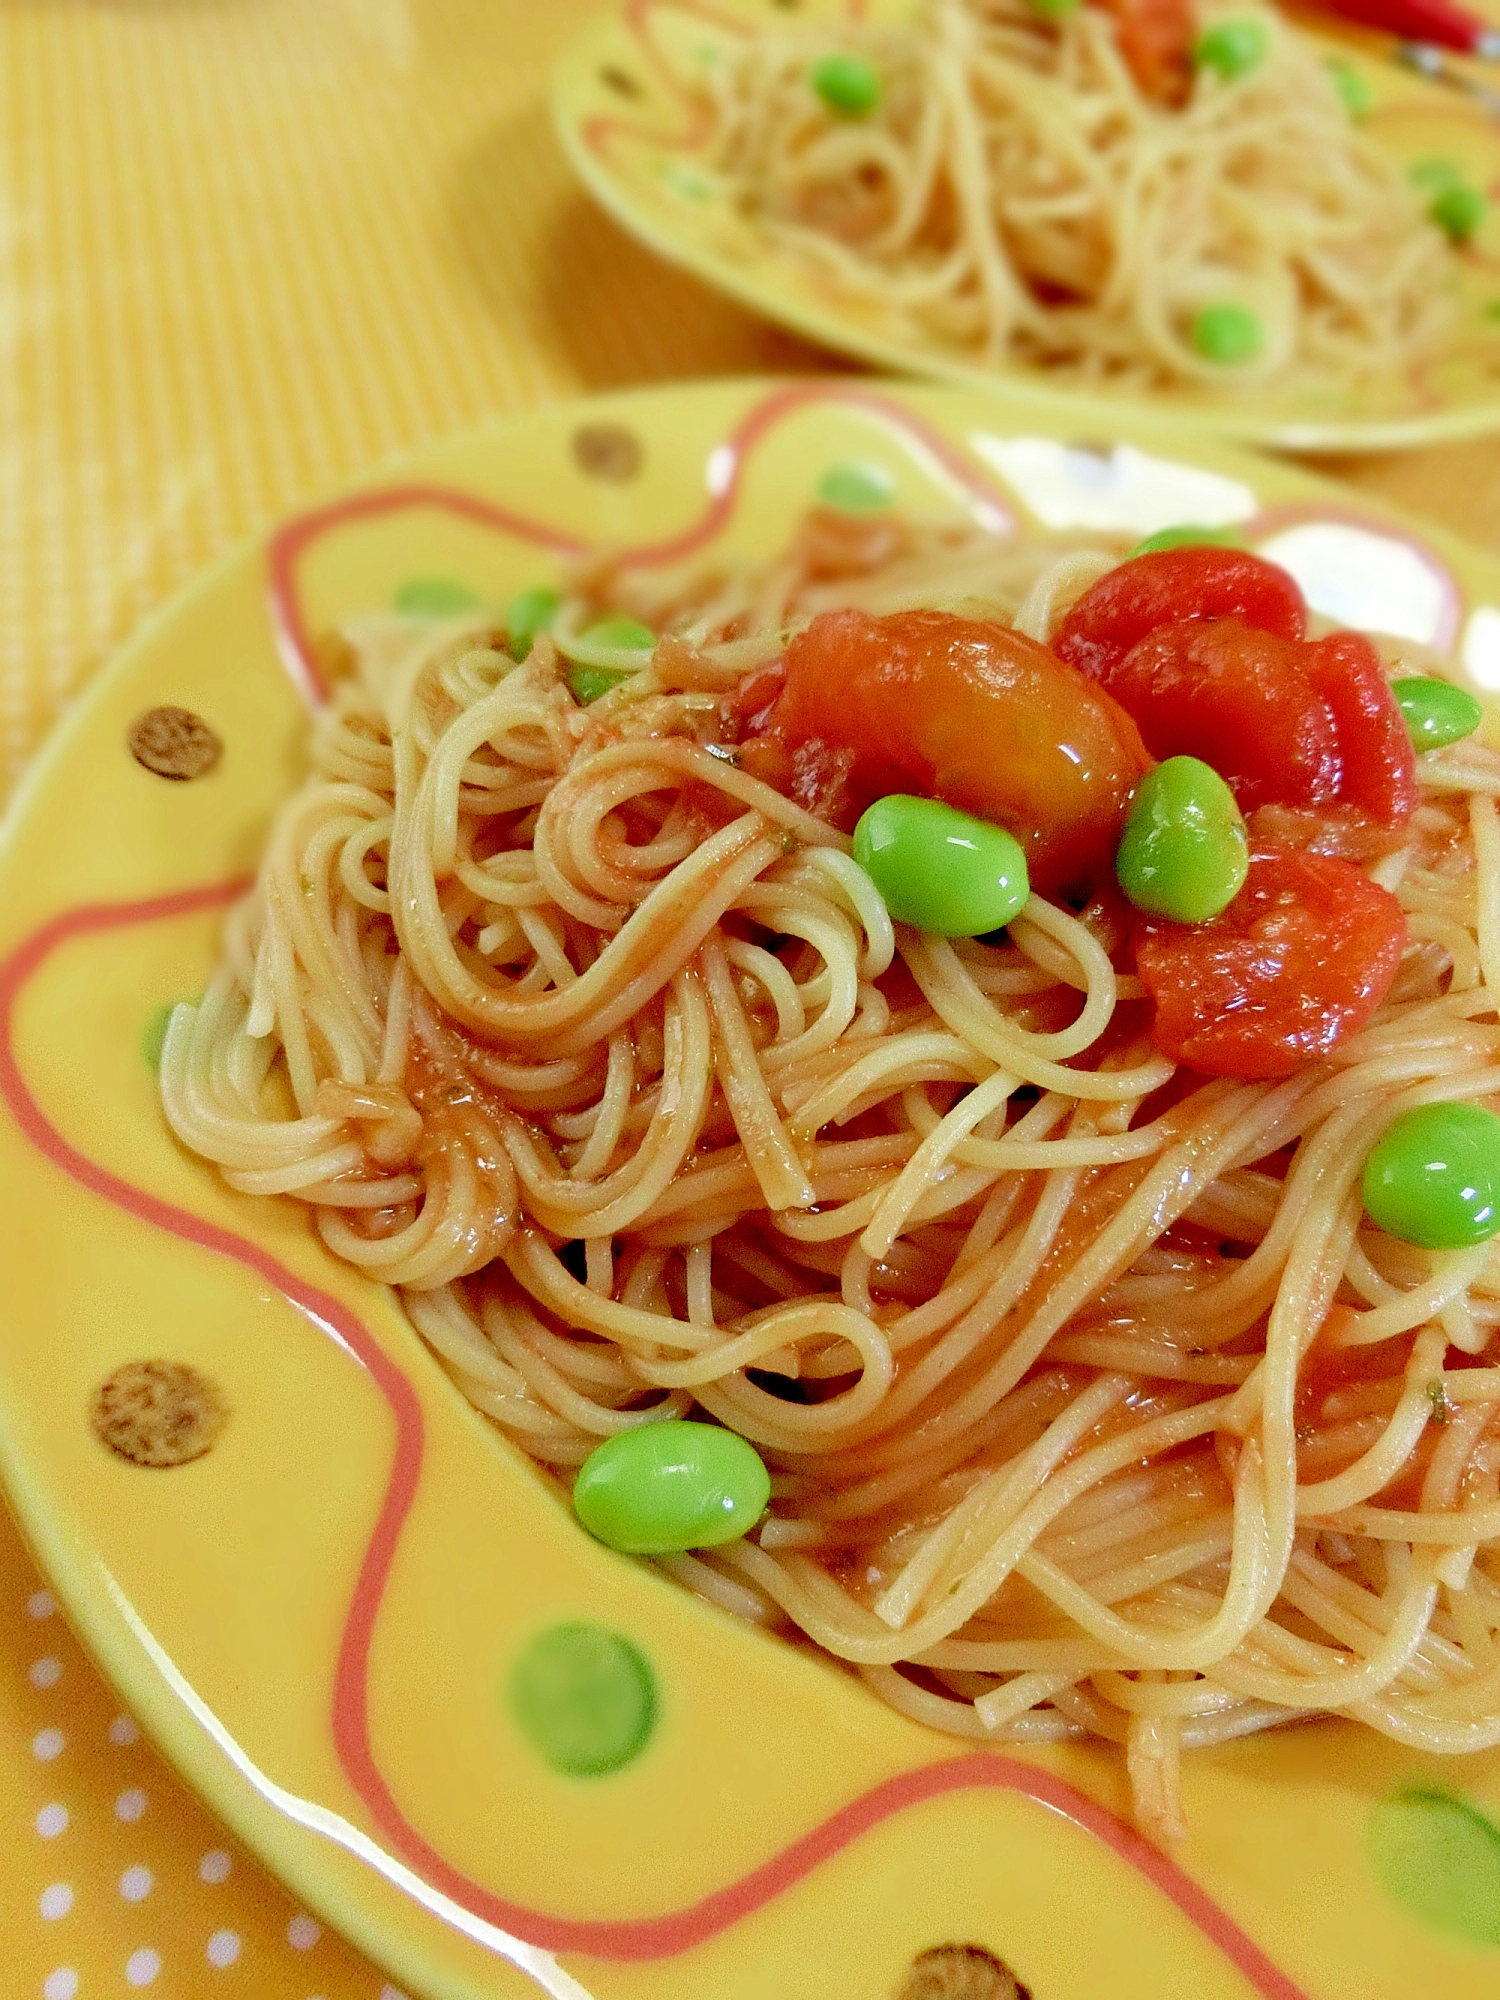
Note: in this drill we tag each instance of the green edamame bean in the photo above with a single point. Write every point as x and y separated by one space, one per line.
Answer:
1227 333
1232 48
671 1486
1353 87
1436 711
586 682
1458 211
1433 1176
620 632
529 612
1185 537
1055 10
848 84
939 869
1184 853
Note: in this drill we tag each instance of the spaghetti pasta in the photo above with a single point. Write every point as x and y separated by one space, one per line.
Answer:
1016 194
1093 1405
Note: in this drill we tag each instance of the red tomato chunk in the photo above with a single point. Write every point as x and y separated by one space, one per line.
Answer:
1298 962
1171 585
957 709
1156 40
1204 647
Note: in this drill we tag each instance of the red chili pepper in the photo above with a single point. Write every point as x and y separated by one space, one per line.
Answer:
1298 962
1419 21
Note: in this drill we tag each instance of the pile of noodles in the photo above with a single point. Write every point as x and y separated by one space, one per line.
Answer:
1093 1404
1016 197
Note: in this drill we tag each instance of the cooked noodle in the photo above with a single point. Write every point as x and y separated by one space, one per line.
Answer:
1017 197
1093 1404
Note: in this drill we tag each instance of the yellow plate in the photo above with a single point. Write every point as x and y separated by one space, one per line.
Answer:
624 106
319 1618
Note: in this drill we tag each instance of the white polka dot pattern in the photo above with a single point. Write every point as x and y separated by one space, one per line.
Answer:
223 1948
256 250
116 1880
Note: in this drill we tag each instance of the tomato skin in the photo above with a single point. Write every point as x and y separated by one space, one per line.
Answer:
1239 699
1378 759
958 709
1298 962
1156 40
1169 586
1285 720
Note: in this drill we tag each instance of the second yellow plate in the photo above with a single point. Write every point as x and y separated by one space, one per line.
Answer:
626 109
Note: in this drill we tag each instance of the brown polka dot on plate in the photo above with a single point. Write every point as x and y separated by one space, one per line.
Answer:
174 743
158 1412
961 1972
608 451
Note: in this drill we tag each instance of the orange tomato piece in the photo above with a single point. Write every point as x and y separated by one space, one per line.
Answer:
952 708
1156 40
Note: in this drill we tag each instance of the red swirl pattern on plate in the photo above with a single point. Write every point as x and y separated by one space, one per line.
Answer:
628 1939
620 1939
288 546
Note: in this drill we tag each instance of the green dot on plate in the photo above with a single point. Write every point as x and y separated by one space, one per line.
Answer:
434 597
585 1698
1439 1856
857 487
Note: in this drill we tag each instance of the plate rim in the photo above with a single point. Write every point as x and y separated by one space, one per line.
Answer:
69 1566
827 330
